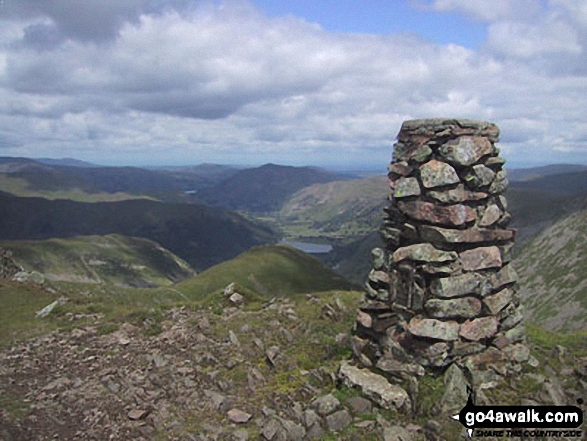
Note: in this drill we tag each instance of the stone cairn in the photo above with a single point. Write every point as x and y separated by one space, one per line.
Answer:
442 291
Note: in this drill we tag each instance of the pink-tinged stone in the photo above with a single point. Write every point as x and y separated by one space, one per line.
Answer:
470 235
466 150
432 328
506 276
491 216
449 215
137 414
486 358
364 319
481 258
437 174
497 302
477 329
400 168
501 341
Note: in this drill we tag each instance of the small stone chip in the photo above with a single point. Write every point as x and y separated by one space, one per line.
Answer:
238 416
137 414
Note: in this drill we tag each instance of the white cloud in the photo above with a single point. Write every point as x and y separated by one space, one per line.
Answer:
188 84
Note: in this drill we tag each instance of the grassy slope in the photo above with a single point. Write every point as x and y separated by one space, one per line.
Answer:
553 275
270 270
112 259
335 209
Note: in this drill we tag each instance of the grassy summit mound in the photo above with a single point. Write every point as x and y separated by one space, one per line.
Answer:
270 270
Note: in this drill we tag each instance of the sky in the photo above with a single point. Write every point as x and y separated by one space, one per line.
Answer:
298 82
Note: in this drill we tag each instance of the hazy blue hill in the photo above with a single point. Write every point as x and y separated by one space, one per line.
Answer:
211 173
61 175
562 183
533 210
72 162
263 189
527 174
133 179
201 235
111 259
268 270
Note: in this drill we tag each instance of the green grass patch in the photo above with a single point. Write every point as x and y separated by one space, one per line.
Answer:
269 270
20 302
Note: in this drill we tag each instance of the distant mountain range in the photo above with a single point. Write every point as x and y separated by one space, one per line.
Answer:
201 235
263 189
527 174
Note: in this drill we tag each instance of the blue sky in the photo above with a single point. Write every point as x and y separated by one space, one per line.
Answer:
152 82
382 17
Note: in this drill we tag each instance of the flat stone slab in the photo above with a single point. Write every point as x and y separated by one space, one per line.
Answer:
433 328
470 235
423 252
405 187
477 329
497 302
437 174
457 286
374 386
481 258
466 150
464 307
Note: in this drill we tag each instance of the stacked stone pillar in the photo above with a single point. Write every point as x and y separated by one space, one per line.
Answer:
443 289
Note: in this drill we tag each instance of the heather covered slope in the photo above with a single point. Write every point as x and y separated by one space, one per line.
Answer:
553 275
110 259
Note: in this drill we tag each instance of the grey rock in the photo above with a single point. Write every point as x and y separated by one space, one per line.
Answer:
433 328
405 187
374 386
480 176
500 183
457 286
455 395
437 173
465 307
272 354
325 404
466 150
499 301
293 431
359 405
338 420
423 252
396 433
238 416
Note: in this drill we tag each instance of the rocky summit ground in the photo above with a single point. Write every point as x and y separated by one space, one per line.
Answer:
226 372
